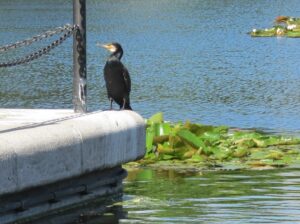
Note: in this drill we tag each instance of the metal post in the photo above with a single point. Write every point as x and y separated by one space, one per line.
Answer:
79 57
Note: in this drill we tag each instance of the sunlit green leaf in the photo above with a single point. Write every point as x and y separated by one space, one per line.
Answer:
156 118
160 139
164 149
211 136
246 135
190 138
149 138
166 157
197 158
246 143
162 128
220 154
216 146
189 154
258 155
275 155
241 152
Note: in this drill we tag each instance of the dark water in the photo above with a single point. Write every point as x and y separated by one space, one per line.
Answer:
191 59
168 196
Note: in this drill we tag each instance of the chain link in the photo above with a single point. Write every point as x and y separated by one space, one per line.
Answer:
35 38
69 30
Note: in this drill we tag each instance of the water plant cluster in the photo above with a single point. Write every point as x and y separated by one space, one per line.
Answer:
284 26
216 146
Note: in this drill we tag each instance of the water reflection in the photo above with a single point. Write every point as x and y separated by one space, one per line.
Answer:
217 197
179 196
100 212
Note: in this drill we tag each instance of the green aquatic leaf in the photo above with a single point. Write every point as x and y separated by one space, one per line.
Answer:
288 159
247 135
189 154
258 154
288 141
166 157
215 146
156 118
220 154
275 163
272 140
206 151
149 157
161 129
200 129
164 149
191 138
180 151
293 151
258 163
160 139
274 155
149 138
221 129
197 158
241 152
175 141
211 137
246 143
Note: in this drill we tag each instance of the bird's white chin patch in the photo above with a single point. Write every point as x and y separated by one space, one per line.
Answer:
112 49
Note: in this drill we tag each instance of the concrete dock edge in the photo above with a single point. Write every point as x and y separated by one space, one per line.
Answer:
40 147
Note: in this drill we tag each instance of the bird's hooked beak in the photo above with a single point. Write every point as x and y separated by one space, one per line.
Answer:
109 47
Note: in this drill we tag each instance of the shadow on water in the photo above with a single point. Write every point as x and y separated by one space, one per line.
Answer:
100 212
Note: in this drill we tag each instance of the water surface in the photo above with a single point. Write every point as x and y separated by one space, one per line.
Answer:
168 196
190 59
178 196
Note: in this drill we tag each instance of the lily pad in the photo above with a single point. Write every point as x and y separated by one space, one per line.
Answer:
215 147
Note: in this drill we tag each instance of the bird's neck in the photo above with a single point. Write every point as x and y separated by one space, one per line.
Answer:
117 54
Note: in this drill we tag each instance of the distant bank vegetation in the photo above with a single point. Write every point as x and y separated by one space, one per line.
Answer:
284 26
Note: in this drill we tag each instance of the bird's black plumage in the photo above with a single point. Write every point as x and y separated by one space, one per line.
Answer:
116 76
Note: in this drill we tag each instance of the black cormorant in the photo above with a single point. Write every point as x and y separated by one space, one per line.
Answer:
116 77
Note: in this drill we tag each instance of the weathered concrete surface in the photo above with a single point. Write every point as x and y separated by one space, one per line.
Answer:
38 147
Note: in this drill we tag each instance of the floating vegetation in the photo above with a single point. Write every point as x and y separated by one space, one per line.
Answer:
285 26
205 146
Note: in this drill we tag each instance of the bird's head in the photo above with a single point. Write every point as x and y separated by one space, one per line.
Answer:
114 48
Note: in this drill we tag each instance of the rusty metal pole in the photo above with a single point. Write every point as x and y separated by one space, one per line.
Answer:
79 57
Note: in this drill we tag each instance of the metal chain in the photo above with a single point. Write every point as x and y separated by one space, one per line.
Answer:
35 38
42 51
